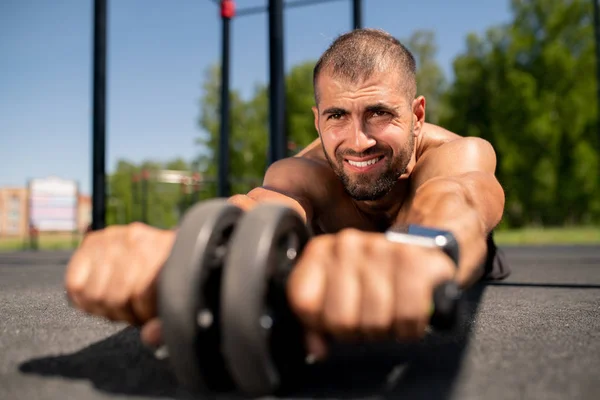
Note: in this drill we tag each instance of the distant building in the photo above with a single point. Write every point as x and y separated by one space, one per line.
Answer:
84 212
15 212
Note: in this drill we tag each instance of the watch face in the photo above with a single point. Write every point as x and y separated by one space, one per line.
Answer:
398 228
426 237
425 231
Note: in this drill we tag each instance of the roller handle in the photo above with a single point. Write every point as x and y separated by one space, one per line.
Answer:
446 302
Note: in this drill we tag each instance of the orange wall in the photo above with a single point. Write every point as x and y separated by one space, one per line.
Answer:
14 212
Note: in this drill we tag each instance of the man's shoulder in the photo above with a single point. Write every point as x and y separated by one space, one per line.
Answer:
434 139
296 166
444 152
304 176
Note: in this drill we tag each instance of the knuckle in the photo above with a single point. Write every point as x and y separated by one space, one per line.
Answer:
381 247
304 307
74 286
339 323
315 245
299 300
138 295
377 323
408 326
134 229
135 226
350 237
115 301
95 297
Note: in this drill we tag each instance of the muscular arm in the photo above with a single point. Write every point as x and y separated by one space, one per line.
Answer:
293 182
456 190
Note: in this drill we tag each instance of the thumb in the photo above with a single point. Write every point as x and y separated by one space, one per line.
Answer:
151 333
316 346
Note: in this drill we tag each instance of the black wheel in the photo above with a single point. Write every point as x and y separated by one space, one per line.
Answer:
262 340
189 296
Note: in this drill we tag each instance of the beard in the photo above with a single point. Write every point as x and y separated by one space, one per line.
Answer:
366 187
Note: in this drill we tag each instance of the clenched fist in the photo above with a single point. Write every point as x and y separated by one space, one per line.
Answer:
358 285
114 272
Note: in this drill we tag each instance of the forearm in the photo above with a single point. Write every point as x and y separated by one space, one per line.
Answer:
261 195
242 201
469 208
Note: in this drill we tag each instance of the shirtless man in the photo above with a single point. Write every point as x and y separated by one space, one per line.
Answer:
376 164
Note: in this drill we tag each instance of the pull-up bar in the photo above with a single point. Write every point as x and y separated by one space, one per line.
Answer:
277 134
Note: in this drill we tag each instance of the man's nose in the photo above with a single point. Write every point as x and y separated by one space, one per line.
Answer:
360 140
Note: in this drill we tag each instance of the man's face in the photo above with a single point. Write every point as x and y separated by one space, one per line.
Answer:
367 132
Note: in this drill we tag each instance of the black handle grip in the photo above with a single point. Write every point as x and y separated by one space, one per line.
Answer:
446 302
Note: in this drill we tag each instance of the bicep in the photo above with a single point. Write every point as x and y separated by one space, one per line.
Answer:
468 165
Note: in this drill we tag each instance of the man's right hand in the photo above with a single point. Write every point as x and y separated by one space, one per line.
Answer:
114 273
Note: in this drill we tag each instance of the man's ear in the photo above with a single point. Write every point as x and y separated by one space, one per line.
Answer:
315 111
418 110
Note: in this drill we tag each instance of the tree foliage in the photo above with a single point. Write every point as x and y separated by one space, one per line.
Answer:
431 82
526 86
249 126
165 201
520 86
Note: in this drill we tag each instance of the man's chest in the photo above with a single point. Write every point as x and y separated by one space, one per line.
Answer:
346 215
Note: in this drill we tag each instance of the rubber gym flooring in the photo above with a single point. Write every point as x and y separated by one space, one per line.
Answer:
535 335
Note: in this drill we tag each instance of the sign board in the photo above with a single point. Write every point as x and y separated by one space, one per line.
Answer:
173 176
53 204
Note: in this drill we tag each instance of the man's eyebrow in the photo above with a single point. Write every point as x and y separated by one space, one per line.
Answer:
371 108
334 110
381 107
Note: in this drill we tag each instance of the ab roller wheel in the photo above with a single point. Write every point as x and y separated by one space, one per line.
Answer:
262 342
189 296
226 321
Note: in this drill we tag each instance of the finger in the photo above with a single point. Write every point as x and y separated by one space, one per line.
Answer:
97 283
151 333
78 270
306 284
411 302
343 297
316 346
144 298
118 306
377 292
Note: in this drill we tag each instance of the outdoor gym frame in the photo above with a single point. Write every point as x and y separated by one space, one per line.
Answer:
277 133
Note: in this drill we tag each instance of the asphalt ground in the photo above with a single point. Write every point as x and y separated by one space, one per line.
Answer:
535 335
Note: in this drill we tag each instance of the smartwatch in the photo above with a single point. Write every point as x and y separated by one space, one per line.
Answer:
426 237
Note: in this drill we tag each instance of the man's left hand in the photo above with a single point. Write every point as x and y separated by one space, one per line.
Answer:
357 285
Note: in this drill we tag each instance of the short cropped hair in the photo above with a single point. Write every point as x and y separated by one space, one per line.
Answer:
358 54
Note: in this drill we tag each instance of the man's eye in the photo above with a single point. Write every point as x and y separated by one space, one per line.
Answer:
335 116
379 113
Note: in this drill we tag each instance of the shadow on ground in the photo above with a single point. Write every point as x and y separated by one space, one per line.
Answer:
121 365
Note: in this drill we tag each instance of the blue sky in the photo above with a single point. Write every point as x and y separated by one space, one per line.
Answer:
158 53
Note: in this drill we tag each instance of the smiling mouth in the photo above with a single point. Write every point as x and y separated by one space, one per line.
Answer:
363 164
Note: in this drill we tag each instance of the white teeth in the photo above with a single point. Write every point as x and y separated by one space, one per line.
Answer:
363 163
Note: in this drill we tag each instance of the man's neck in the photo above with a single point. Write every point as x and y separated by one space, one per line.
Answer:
384 211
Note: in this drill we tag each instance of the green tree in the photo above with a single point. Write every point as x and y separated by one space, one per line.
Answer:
299 102
248 136
165 201
431 82
249 123
520 87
